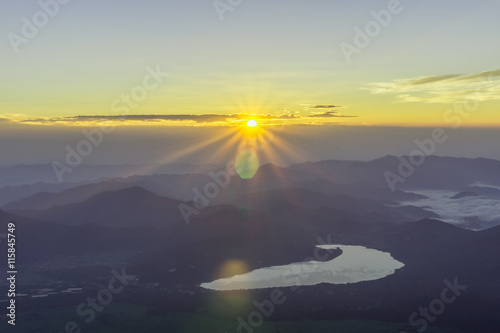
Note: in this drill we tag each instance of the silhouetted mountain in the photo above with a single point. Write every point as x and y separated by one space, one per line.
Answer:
435 173
269 201
269 177
14 193
186 255
359 190
194 254
358 179
40 240
174 186
45 200
29 174
131 207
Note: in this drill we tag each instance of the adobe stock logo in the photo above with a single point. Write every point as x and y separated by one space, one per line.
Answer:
121 107
94 305
372 29
222 7
211 190
31 28
407 168
437 306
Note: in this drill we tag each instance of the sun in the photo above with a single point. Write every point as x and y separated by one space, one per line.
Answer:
252 123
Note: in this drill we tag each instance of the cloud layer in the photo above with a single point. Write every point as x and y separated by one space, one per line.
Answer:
477 213
186 119
450 88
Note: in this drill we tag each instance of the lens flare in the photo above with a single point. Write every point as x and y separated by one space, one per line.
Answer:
247 164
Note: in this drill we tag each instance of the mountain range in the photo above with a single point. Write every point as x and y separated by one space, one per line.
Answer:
81 231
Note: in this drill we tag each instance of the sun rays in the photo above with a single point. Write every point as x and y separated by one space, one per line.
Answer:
249 144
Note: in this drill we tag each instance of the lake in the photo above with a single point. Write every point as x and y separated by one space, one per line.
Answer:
355 264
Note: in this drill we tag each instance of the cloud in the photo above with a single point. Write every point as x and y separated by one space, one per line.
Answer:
197 118
324 107
450 88
330 114
202 118
431 79
480 76
268 116
322 118
481 209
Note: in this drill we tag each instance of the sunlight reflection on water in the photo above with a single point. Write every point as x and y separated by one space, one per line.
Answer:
356 264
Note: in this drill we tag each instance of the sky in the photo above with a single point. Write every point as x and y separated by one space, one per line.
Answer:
200 63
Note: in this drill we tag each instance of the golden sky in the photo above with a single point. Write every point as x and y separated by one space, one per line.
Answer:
177 63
